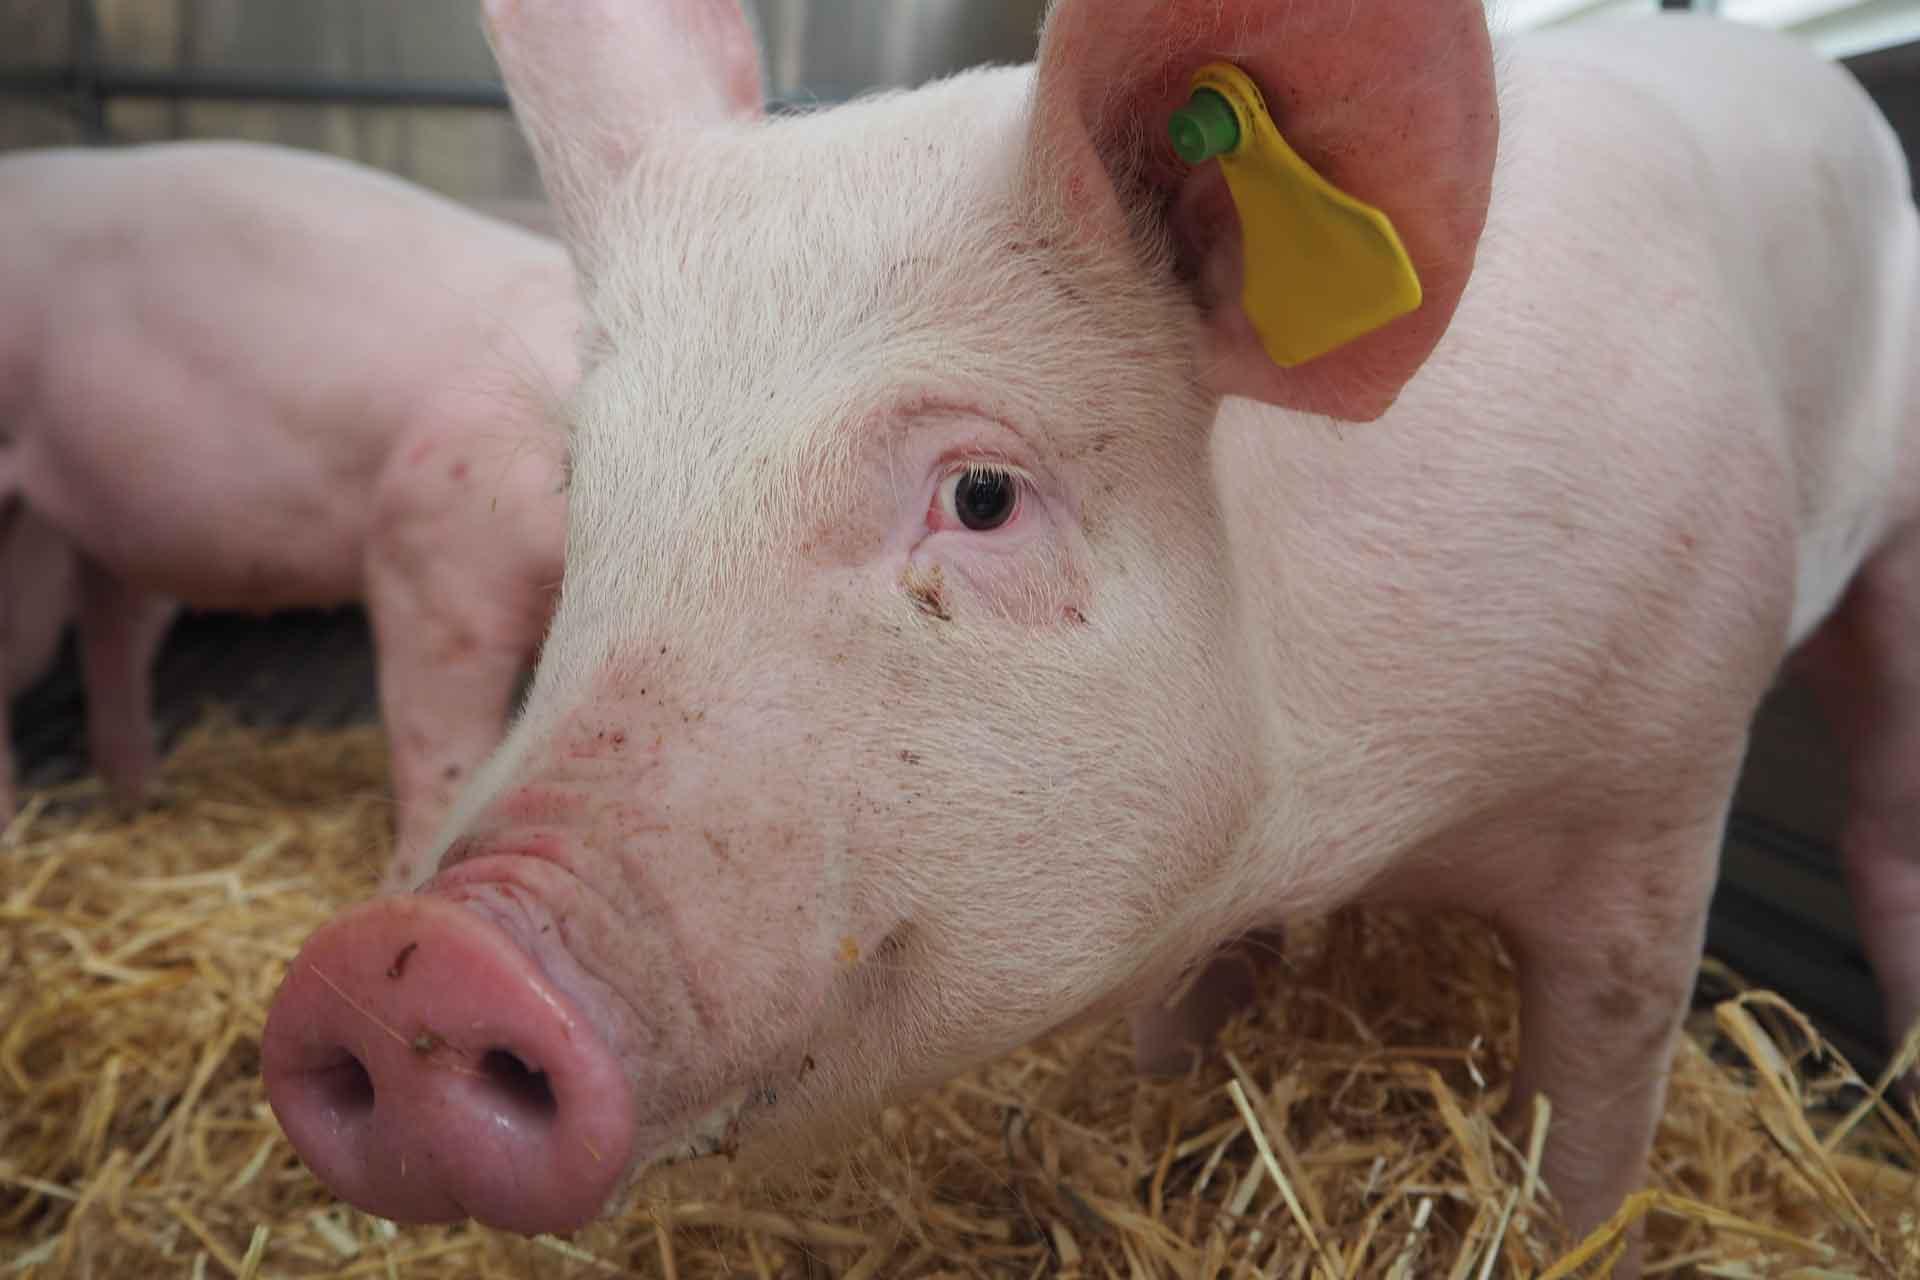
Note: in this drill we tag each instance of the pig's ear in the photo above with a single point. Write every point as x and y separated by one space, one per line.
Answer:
1392 101
595 82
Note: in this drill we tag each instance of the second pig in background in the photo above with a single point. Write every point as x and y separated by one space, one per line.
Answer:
242 377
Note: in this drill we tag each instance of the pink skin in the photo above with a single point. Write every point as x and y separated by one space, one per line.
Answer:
241 377
825 789
479 1107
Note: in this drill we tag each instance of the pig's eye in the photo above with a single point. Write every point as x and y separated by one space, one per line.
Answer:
980 498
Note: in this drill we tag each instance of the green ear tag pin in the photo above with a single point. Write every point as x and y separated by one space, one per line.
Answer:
1322 268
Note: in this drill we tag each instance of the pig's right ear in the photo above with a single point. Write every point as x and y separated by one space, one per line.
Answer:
1392 101
595 82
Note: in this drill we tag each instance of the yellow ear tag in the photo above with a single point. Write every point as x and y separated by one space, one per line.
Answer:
1322 268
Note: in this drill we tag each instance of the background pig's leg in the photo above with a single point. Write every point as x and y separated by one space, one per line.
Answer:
1607 952
12 676
447 672
121 628
37 570
460 575
1865 666
9 798
1169 1033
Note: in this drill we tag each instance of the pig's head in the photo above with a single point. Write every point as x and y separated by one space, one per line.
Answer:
894 710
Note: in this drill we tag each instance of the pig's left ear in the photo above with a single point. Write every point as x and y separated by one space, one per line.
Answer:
595 83
1392 101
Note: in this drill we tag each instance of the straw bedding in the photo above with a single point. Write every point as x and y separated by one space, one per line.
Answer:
1345 1128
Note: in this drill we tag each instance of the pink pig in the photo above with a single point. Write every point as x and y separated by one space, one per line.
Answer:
242 377
967 630
38 569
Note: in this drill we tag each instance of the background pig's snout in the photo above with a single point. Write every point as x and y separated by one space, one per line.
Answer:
427 1071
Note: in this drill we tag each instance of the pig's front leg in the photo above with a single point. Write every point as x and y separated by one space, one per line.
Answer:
460 578
1607 945
121 627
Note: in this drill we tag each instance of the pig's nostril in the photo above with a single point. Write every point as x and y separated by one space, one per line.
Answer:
516 1082
470 1086
346 1086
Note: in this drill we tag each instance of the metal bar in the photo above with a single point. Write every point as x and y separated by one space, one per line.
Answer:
249 86
83 57
38 82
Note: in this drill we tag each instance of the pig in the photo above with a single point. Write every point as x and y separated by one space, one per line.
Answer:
967 630
243 377
36 608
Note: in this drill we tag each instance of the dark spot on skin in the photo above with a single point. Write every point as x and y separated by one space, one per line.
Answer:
927 588
663 651
890 947
619 739
426 1042
1621 998
911 757
457 852
451 772
718 846
1617 1002
806 1064
399 965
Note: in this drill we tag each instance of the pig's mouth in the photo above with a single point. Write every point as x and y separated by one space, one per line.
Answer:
717 1133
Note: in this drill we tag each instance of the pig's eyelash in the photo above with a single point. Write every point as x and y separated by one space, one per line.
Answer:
976 467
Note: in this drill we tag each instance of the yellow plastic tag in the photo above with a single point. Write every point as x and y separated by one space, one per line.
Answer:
1322 268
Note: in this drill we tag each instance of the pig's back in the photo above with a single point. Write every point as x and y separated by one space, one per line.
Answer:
221 342
288 272
1800 197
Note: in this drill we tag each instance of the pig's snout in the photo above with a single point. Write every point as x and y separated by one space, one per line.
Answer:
426 1070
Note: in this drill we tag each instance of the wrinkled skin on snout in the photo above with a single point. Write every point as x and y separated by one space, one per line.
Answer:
966 629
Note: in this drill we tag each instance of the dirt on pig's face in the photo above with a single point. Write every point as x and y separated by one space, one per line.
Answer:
890 715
